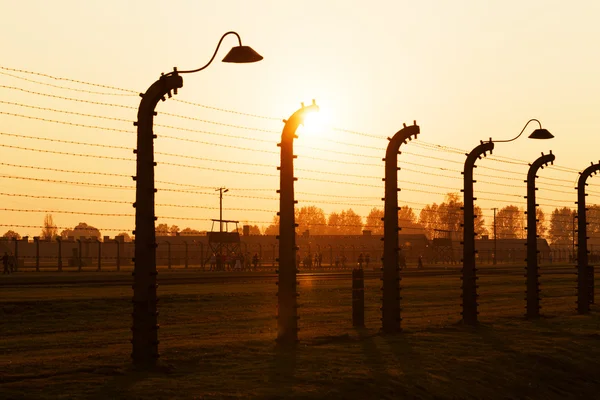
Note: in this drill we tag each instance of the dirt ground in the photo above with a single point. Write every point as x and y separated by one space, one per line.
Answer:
218 341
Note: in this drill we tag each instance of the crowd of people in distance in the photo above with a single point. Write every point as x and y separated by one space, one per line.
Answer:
234 262
310 261
9 264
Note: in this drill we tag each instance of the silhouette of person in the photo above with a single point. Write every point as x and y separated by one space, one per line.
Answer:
5 263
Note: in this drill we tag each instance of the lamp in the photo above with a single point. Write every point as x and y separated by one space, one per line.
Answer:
237 54
539 133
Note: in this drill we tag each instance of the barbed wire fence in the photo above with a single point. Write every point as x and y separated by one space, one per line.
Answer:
251 140
50 151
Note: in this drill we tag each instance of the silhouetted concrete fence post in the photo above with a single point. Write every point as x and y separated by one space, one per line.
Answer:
16 254
79 260
532 274
358 298
99 255
287 295
469 270
186 254
36 239
118 255
585 273
390 301
202 255
168 254
59 241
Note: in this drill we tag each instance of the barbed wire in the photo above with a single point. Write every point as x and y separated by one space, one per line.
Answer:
108 146
104 128
98 185
227 111
98 103
64 153
11 103
225 161
64 198
425 144
64 87
515 161
66 79
66 212
65 170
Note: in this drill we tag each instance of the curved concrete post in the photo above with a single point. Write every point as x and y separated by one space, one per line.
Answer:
390 308
287 315
145 313
585 279
469 272
532 270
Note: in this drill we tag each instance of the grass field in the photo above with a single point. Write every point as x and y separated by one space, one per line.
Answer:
217 341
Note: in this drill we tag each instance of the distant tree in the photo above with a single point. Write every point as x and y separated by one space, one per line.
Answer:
353 223
449 216
407 220
173 230
254 230
12 234
509 223
162 230
480 228
273 229
429 219
81 230
374 221
84 230
49 231
334 222
126 236
541 222
593 218
347 222
191 232
561 226
311 218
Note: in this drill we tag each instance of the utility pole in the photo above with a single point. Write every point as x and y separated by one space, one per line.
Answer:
221 190
495 242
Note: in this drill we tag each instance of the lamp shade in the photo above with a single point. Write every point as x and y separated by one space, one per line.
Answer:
541 134
242 54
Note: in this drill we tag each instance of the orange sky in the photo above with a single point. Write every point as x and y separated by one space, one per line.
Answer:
465 70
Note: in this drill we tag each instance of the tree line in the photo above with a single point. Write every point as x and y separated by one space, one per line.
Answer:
433 220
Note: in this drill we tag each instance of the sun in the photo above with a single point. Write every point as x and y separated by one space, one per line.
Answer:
315 124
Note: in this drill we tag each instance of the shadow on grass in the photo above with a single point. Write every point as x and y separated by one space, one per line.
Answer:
283 368
372 355
123 379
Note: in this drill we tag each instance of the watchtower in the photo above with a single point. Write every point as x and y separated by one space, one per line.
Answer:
442 246
223 242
